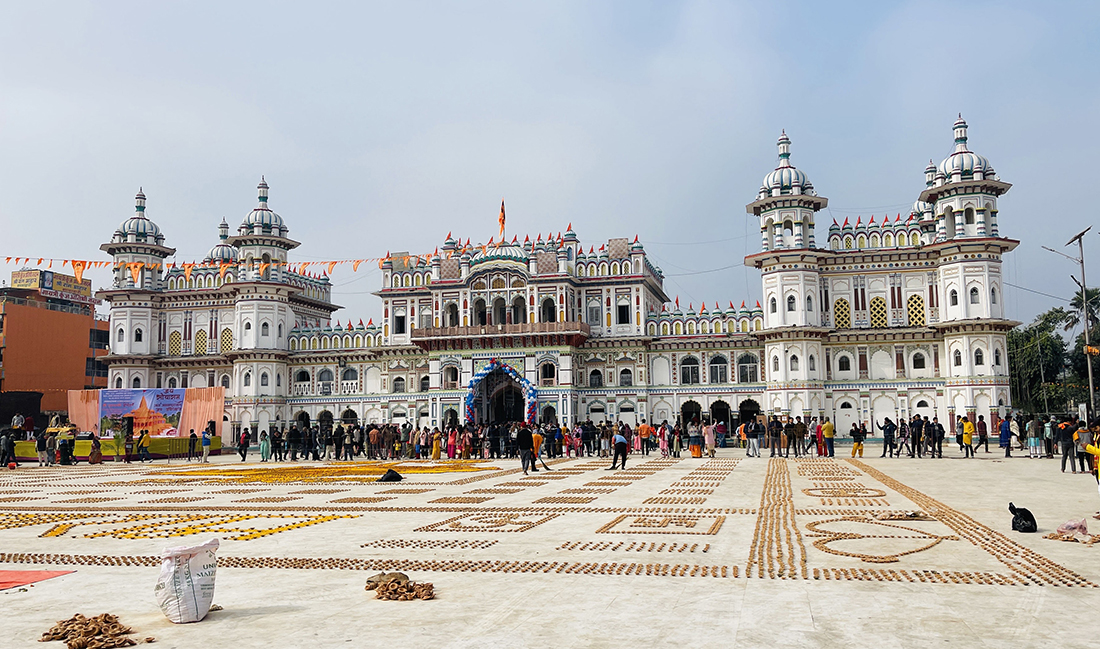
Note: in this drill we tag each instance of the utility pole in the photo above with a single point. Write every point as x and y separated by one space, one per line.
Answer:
1078 239
1085 311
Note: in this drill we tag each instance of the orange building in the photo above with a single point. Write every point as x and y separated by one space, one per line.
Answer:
50 339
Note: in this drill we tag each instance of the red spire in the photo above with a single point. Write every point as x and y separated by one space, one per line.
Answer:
370 323
635 238
731 303
834 222
591 250
758 304
526 239
845 221
515 239
603 247
742 304
677 301
361 320
873 219
337 324
448 235
569 227
859 221
436 253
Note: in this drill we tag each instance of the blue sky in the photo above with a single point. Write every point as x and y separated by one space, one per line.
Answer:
383 126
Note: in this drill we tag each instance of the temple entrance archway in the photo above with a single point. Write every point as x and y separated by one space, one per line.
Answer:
498 393
690 411
748 410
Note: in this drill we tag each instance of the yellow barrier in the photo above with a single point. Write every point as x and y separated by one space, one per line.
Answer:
160 448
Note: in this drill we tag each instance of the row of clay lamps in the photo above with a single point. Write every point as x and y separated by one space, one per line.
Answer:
431 544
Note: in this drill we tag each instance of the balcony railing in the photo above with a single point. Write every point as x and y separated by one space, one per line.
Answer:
349 387
532 328
302 389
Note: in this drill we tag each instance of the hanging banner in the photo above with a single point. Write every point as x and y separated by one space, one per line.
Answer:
157 411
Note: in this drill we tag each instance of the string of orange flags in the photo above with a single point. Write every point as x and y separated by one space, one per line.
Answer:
79 266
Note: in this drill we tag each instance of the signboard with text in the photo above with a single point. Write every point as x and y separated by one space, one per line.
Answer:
157 411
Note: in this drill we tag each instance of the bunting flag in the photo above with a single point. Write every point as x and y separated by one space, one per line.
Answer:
501 219
264 266
221 271
135 270
187 268
78 271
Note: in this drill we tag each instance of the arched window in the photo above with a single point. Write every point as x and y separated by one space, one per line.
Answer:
225 381
775 363
809 303
324 376
265 330
399 384
595 379
349 374
975 297
301 376
773 305
452 315
450 378
425 383
278 380
689 371
918 361
811 364
248 326
844 363
993 295
968 214
137 382
792 304
137 335
719 369
626 377
996 357
479 312
547 373
121 335
747 368
118 382
794 363
958 358
247 379
172 383
280 334
953 298
264 380
548 310
979 357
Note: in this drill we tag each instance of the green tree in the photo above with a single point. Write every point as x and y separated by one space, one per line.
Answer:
1037 356
1073 316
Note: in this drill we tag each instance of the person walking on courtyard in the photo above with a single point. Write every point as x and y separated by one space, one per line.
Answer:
277 444
242 443
968 437
1083 439
644 431
983 434
51 449
775 435
620 451
525 441
265 446
754 430
1004 437
888 429
857 439
1065 438
709 437
1049 428
293 440
143 447
7 447
662 437
1035 438
40 448
828 433
437 442
192 441
207 433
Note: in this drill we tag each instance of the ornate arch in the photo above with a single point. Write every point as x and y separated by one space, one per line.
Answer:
530 394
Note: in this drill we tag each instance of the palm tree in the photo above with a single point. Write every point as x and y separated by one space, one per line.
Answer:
1073 316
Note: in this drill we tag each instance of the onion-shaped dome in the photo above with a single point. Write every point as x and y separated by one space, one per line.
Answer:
505 252
785 179
262 219
963 162
222 251
921 210
138 227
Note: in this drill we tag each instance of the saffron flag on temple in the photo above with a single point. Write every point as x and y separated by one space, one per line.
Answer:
501 219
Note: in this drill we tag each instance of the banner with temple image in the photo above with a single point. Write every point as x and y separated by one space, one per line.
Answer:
157 411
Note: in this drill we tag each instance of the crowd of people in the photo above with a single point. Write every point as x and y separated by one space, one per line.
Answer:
462 442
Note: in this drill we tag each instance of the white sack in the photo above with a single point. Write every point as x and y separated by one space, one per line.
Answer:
185 588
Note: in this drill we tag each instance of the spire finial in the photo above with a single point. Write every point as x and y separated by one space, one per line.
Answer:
139 201
261 191
960 134
784 145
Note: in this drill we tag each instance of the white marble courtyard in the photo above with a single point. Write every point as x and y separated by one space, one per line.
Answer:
724 552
